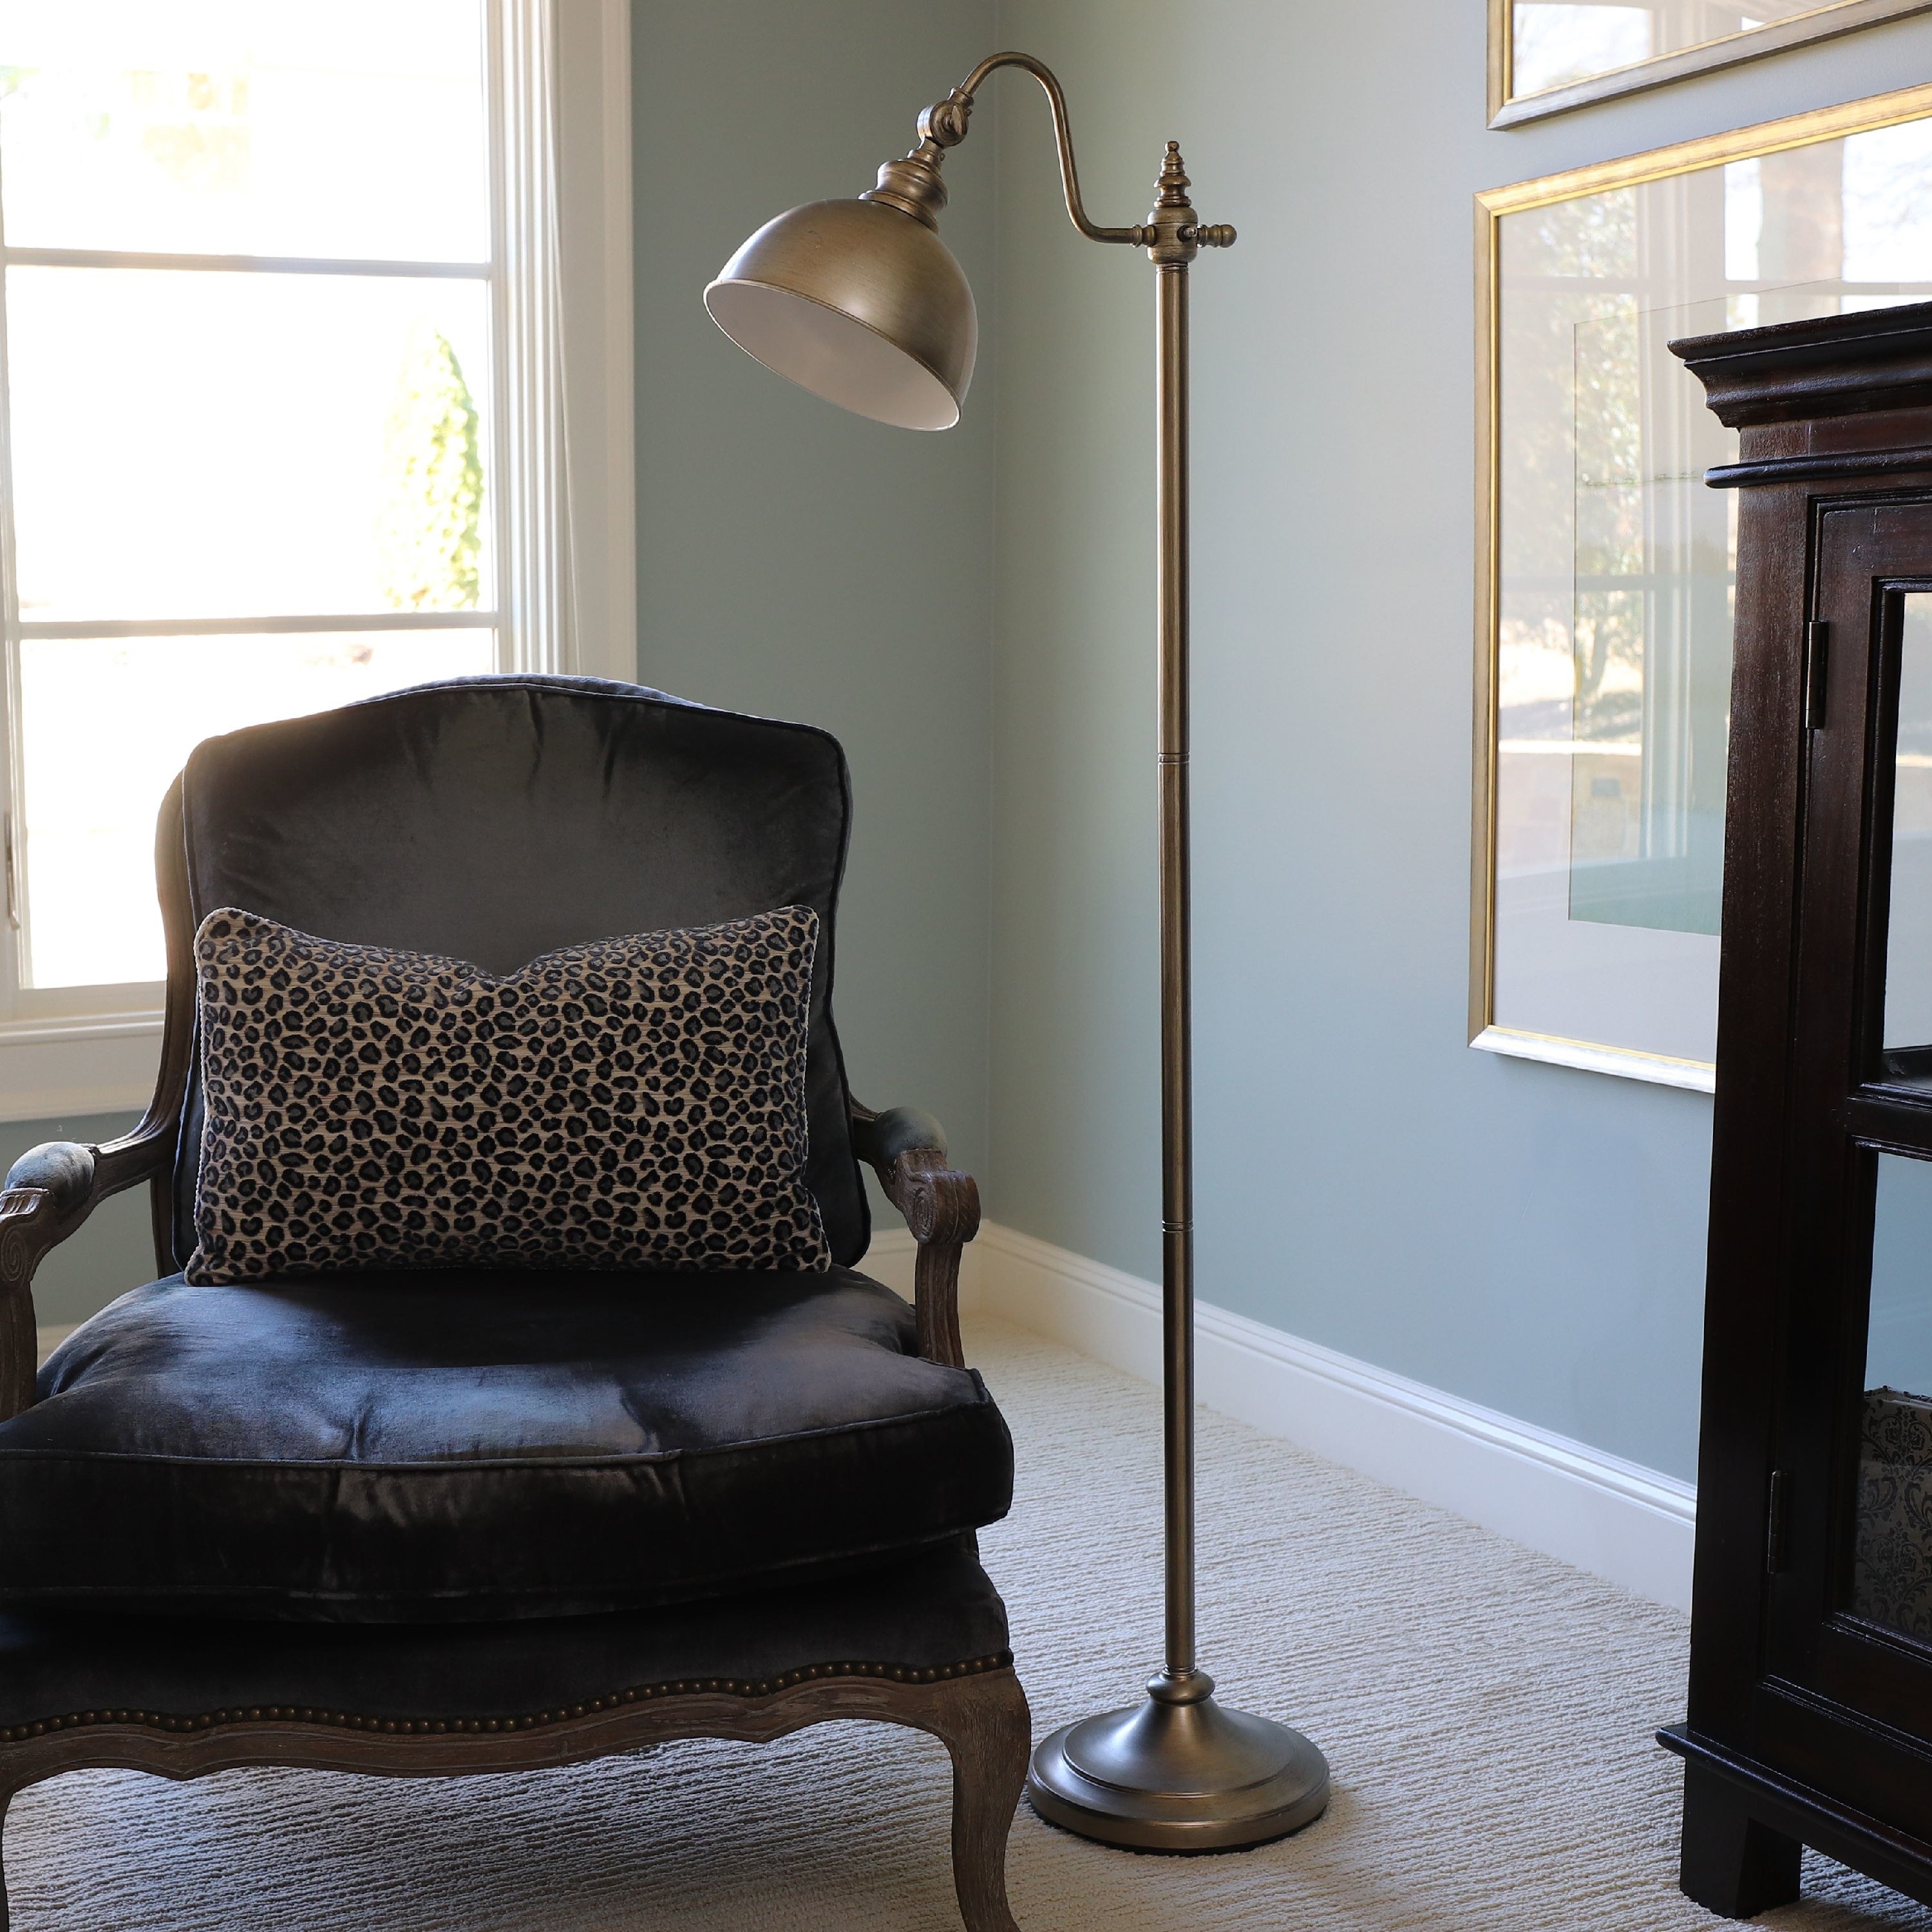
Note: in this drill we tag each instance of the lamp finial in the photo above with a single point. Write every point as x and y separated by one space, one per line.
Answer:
1173 183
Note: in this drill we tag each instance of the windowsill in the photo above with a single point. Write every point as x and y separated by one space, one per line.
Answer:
60 1030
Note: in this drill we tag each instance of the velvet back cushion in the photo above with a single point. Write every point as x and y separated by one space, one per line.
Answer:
635 1103
494 819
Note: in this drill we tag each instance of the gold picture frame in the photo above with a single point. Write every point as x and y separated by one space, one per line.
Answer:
1493 209
1822 22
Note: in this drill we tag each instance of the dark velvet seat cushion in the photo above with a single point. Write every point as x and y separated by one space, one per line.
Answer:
934 1611
458 1445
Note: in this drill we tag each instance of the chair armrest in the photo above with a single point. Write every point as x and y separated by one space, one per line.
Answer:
61 1170
906 1149
50 1190
882 1137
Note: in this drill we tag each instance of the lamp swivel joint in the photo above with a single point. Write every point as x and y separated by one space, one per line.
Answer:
945 121
914 185
1172 234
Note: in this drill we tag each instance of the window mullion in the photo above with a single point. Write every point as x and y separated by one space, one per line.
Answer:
376 267
14 935
528 464
287 624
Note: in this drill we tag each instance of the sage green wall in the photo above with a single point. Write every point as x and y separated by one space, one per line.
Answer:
796 561
1528 1238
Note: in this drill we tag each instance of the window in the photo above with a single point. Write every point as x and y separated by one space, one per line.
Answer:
248 348
281 425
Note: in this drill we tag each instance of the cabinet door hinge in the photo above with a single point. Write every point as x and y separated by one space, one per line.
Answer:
1774 1517
1817 646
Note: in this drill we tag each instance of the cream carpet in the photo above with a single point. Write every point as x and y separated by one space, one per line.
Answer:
1488 1713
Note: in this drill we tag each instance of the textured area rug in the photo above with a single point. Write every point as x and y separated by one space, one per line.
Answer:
1488 1713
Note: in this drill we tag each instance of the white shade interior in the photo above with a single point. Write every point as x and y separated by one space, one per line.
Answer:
831 354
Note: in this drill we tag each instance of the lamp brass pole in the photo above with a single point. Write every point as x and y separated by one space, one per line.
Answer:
861 302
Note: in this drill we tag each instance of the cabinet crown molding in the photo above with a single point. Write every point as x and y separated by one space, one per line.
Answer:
1832 365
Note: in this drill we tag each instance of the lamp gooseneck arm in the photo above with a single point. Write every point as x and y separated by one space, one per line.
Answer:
946 123
912 185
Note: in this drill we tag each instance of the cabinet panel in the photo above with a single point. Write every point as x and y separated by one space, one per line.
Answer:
1849 1562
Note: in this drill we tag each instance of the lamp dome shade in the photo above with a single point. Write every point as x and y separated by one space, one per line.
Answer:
858 303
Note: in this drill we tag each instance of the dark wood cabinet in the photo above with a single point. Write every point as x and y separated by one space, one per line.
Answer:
1809 1718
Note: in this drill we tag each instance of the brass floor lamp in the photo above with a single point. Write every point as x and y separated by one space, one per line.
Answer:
861 303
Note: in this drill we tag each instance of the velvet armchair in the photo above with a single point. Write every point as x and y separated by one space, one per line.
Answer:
439 1522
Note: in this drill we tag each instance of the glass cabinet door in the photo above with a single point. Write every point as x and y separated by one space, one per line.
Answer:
1849 1542
1892 1531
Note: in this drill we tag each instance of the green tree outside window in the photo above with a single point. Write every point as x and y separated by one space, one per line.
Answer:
429 529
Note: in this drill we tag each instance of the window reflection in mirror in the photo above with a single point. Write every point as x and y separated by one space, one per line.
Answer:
1616 564
1555 46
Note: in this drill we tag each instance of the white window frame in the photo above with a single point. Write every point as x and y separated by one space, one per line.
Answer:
562 479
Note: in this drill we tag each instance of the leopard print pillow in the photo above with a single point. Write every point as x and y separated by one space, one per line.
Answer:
630 1103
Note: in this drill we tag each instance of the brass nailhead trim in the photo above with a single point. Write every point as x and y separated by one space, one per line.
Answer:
732 1687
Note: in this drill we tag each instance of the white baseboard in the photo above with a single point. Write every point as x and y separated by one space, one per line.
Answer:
1633 1526
890 1259
891 1256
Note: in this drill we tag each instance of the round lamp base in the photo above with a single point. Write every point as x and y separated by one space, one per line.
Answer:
1179 1774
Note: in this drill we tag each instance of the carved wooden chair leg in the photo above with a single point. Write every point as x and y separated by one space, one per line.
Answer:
988 1730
